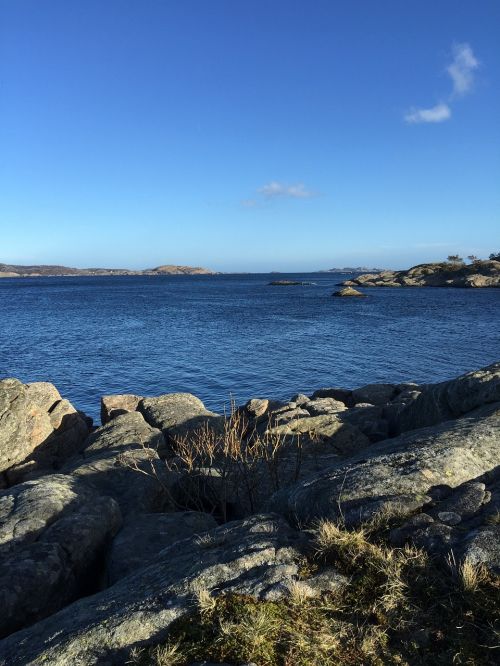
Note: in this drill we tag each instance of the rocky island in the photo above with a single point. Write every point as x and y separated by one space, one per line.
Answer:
445 274
347 526
14 271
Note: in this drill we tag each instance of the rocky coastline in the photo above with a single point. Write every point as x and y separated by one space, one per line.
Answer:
445 274
113 535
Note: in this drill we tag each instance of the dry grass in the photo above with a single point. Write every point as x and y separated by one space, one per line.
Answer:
400 607
228 465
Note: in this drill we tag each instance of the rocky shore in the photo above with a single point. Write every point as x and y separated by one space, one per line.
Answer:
168 517
445 274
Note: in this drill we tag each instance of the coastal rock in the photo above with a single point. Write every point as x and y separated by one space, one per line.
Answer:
114 405
444 274
258 557
374 394
177 414
143 537
463 519
125 431
398 472
256 407
38 429
348 292
324 406
318 431
137 479
451 399
53 532
340 394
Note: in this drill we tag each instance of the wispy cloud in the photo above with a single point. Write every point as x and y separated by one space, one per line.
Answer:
436 114
462 69
277 189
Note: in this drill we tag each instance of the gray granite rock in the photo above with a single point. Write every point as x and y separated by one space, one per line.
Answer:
374 394
124 432
114 405
258 557
398 472
53 532
143 537
38 429
178 414
451 399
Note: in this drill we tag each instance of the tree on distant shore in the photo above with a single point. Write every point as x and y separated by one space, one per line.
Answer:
495 256
472 258
455 259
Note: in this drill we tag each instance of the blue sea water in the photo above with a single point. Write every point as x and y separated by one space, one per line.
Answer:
234 336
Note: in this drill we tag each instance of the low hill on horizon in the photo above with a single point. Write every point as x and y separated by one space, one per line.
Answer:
42 270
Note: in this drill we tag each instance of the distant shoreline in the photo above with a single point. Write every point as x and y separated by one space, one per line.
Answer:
41 270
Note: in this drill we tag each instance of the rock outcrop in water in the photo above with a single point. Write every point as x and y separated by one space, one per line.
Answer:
445 274
109 535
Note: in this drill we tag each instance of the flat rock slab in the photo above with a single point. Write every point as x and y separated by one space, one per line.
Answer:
397 472
143 537
53 531
258 557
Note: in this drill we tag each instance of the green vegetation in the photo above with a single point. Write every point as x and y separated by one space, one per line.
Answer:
399 607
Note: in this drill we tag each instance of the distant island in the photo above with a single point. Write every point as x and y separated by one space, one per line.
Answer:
353 269
452 273
14 271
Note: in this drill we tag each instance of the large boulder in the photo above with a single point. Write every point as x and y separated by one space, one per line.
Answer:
258 557
397 472
450 399
38 429
121 460
143 537
124 432
177 414
53 533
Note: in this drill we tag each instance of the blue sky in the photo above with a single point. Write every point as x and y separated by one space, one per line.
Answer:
262 135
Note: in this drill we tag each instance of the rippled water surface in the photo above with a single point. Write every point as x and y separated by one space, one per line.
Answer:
234 335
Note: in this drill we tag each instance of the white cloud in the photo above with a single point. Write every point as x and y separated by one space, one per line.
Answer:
436 114
462 69
277 189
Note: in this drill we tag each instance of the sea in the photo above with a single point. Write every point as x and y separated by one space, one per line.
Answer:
234 337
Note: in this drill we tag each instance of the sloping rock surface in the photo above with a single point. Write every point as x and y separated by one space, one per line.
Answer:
257 557
121 460
143 537
53 531
451 399
398 471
